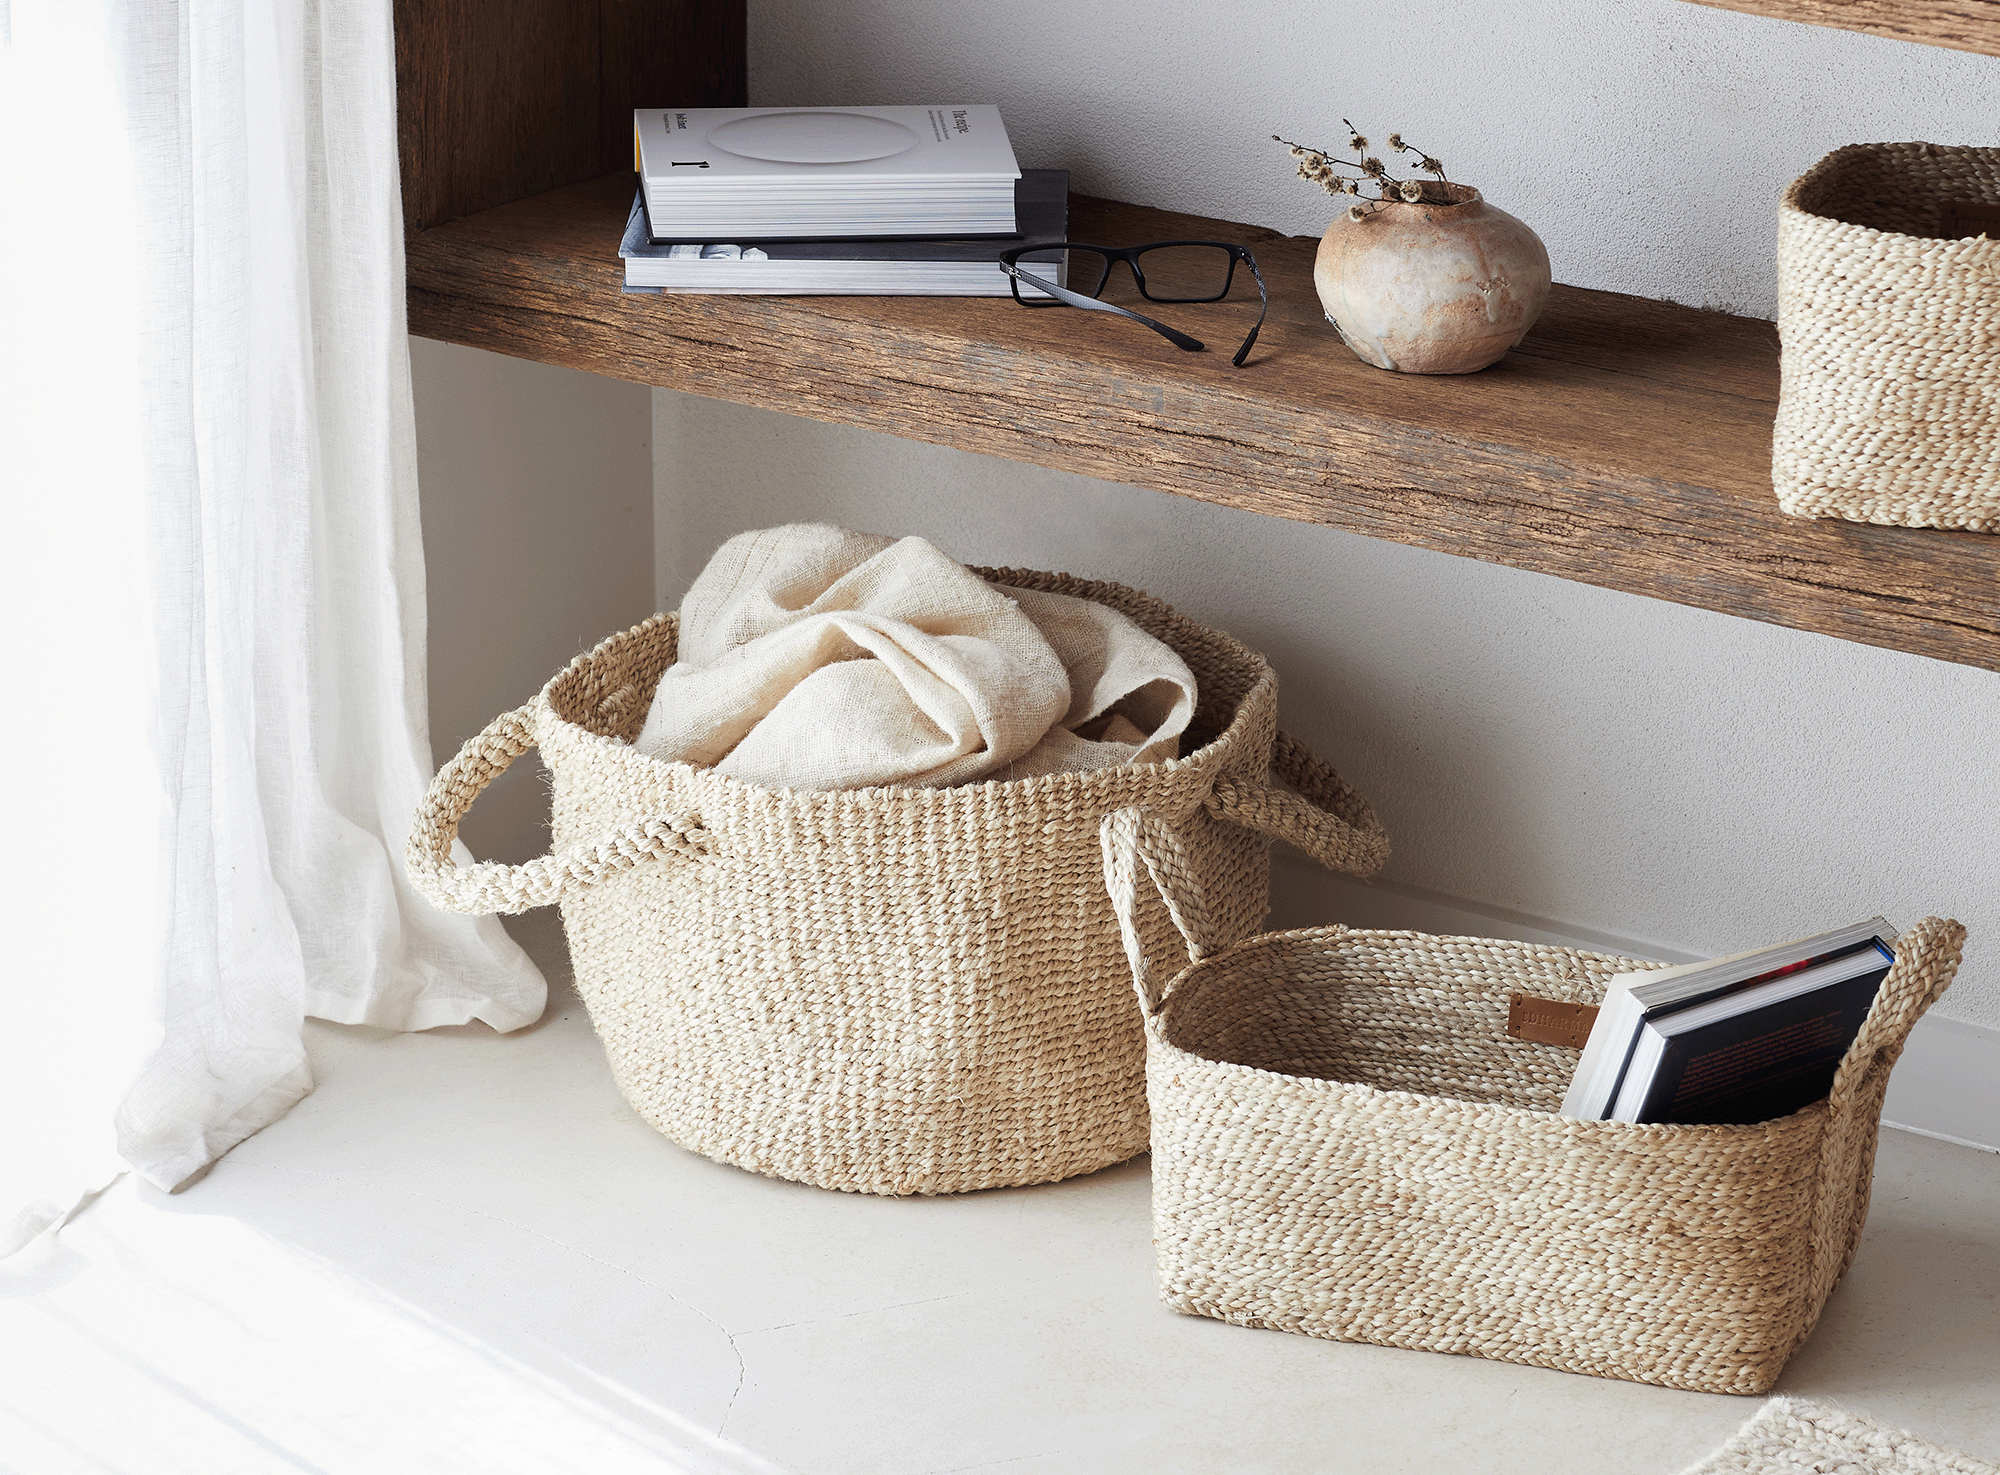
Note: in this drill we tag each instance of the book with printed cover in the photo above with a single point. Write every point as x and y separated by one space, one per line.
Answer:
900 267
1758 1033
762 173
1757 1055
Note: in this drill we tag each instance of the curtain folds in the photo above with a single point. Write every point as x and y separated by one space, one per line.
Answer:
267 597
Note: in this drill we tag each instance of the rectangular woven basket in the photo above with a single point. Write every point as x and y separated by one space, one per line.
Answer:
1347 1144
1889 397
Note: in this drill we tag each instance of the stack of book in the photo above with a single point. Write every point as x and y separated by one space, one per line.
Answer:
1738 1039
773 201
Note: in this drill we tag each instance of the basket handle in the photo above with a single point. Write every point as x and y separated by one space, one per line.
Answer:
1926 962
1128 838
1327 819
493 887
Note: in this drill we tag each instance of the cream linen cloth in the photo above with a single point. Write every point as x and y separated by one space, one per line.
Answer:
812 657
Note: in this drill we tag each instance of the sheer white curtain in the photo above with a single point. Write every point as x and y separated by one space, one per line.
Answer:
214 619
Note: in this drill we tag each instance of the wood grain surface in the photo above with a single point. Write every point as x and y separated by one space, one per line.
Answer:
1626 443
499 99
1962 25
665 53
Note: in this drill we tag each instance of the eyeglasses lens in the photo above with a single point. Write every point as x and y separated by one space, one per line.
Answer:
1185 273
1087 270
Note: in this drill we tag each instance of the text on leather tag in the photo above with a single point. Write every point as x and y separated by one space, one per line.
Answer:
1549 1021
1962 218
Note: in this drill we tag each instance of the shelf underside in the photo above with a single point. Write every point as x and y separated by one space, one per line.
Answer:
1626 443
1962 25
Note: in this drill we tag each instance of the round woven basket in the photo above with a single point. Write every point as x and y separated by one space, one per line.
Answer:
884 990
1347 1144
1889 401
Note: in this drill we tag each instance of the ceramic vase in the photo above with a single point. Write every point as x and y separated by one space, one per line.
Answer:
1432 288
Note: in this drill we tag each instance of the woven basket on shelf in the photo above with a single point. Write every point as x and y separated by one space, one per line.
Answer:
1889 404
1347 1144
886 990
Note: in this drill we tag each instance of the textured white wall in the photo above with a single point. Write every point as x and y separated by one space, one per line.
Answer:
1646 140
537 493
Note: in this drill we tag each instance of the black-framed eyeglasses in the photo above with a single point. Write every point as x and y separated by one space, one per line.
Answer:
1167 271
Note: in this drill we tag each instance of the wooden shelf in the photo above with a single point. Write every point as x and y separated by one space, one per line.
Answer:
1962 25
1626 443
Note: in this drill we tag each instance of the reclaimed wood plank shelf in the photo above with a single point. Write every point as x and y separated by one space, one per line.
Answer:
1626 443
1962 25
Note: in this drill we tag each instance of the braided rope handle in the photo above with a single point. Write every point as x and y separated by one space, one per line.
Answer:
1926 962
1129 838
1327 819
493 887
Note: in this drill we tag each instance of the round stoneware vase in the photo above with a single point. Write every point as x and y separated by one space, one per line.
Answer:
1430 288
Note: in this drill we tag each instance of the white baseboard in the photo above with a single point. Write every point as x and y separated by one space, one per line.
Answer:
1947 1085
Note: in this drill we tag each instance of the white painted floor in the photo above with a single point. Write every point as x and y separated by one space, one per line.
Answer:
464 1252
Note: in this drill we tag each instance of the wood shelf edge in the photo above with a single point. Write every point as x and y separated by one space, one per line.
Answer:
1626 448
1957 25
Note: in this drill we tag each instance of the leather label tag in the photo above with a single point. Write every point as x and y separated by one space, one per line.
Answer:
1962 218
1549 1021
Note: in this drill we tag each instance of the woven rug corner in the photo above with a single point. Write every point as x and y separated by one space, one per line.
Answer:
1792 1436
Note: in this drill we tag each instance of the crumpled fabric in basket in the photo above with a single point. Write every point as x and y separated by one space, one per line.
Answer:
812 657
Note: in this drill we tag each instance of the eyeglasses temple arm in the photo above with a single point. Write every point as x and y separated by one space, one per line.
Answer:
1077 299
1250 342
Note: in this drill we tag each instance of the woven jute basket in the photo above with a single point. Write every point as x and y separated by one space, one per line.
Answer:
888 990
1889 400
1347 1144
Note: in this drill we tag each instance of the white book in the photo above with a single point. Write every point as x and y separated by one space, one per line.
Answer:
1629 997
904 266
820 172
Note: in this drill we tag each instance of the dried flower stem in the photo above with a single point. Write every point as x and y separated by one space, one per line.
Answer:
1322 154
1339 176
1424 161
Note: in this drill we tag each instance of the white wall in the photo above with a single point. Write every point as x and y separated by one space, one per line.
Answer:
1646 140
537 491
1552 759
